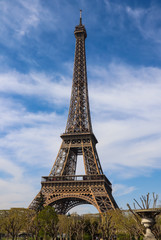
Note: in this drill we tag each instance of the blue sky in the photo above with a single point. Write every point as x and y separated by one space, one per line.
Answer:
123 50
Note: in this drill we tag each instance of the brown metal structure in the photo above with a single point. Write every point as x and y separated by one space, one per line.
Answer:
62 188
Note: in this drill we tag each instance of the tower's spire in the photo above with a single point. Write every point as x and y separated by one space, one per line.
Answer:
79 119
80 17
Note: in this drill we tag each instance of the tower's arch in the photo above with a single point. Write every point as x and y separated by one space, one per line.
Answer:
66 203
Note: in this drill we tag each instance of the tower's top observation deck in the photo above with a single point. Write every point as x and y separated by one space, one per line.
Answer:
80 29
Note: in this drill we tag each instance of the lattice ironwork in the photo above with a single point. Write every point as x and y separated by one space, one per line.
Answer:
65 192
62 188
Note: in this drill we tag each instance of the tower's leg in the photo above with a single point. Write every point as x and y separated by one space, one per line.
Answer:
65 163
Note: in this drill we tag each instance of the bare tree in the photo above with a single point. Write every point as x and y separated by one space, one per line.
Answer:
107 226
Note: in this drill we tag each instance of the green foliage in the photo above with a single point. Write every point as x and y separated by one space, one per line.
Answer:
46 224
13 221
123 236
63 224
49 222
87 236
28 226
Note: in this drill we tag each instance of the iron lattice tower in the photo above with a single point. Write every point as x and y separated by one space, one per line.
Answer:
62 188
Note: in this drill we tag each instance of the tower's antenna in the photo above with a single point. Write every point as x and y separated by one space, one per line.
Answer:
80 17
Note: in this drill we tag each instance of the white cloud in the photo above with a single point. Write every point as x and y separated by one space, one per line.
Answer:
15 186
126 89
147 21
10 168
136 13
50 88
16 193
120 189
24 134
23 18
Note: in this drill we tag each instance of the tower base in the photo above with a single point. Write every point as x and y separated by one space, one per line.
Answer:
66 192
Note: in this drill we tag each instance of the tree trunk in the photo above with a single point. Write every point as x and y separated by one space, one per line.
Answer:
82 235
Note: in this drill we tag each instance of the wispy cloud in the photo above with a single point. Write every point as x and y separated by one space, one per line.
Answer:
147 21
11 169
28 147
20 17
47 87
126 89
120 189
15 193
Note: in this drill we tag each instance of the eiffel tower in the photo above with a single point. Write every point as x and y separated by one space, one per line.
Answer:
63 189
